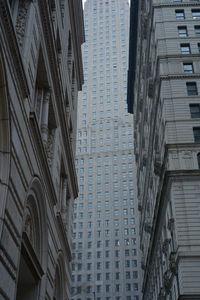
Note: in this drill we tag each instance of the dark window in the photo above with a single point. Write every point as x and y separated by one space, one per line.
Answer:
191 88
196 132
182 31
198 45
196 13
188 67
197 30
198 159
185 49
180 14
195 110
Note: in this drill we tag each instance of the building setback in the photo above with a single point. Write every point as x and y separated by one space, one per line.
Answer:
105 246
40 75
163 94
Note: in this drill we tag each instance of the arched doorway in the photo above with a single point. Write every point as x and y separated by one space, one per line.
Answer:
4 140
33 259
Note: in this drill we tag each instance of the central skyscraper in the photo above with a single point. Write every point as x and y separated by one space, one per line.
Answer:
105 248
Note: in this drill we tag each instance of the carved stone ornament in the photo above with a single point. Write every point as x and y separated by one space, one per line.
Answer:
50 146
168 281
28 228
21 20
165 246
170 224
173 263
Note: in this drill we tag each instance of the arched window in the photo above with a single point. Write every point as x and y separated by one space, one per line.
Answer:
33 247
198 159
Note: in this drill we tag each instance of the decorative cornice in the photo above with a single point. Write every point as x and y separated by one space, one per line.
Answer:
12 46
174 4
180 76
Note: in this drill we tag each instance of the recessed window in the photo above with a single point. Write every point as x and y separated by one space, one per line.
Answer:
192 88
197 30
196 132
196 13
182 31
185 49
198 159
198 45
188 68
180 14
195 110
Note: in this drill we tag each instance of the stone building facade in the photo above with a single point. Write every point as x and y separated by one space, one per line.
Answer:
40 75
164 87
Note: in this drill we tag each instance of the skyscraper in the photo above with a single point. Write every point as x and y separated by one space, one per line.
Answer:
164 88
105 249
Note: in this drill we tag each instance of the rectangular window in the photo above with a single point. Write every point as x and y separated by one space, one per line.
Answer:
185 49
195 110
182 31
197 30
198 45
191 88
188 68
196 13
180 14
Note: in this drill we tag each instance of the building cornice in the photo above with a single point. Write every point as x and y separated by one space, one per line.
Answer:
173 4
13 47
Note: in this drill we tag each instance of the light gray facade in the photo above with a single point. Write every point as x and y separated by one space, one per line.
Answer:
105 247
40 75
167 147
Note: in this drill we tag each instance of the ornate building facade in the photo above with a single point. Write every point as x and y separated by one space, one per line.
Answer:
163 94
40 75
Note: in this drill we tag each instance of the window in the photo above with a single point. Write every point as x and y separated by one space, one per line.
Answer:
195 110
191 88
196 13
180 14
182 31
188 68
107 288
107 264
196 132
198 45
197 30
198 159
185 49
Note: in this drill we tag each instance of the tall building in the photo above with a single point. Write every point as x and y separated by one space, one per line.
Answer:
105 248
164 86
40 75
